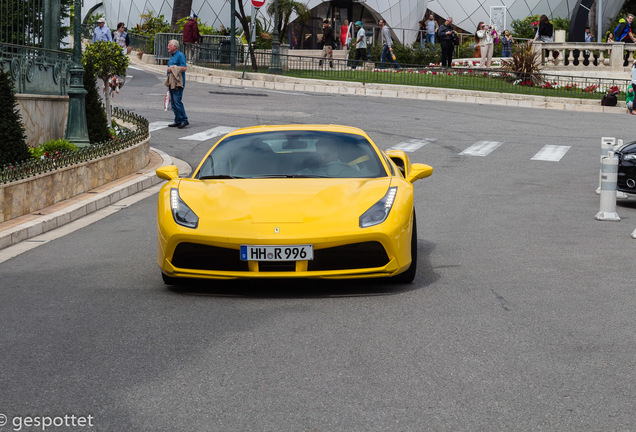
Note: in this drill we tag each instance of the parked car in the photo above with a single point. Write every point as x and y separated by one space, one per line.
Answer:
627 168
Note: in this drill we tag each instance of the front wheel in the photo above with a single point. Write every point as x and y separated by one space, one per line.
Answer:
409 275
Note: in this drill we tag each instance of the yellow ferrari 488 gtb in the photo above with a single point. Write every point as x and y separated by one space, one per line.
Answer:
294 201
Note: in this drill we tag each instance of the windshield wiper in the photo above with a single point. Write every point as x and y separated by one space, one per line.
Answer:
218 176
291 176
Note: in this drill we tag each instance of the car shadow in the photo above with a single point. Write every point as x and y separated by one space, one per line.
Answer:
313 288
627 203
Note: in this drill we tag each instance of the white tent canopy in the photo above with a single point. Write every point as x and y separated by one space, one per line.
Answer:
400 14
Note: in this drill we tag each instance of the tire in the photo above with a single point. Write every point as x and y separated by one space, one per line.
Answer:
409 275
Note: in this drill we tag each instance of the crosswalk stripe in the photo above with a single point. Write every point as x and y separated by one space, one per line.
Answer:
412 145
481 148
157 125
210 133
551 153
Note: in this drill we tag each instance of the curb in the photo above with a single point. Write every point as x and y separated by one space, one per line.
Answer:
70 211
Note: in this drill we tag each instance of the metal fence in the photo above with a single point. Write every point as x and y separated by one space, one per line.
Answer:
466 77
208 42
21 22
37 70
142 43
33 167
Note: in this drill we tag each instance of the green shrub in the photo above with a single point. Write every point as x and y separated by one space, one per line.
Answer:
96 119
13 146
52 148
524 63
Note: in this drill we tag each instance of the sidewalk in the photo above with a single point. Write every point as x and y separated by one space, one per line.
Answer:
28 226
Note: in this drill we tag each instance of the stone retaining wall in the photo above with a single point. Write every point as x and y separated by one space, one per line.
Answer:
44 117
35 193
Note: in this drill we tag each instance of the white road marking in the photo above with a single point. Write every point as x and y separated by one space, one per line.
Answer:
551 153
210 133
412 145
135 68
481 148
158 125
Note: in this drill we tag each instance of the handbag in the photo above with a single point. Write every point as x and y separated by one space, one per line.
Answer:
167 103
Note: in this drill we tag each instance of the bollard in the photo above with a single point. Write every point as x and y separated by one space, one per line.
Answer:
607 145
609 177
634 234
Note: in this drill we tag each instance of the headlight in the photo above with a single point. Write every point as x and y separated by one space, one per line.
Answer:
379 211
182 214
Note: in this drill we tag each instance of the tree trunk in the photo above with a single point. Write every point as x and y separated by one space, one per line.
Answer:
593 22
240 14
180 9
107 100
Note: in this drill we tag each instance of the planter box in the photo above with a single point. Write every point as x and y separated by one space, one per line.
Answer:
40 191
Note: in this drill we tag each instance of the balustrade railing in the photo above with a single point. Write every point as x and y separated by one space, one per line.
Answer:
596 56
37 70
37 166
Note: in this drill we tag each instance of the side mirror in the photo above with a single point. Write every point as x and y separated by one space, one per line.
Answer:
168 172
419 171
400 159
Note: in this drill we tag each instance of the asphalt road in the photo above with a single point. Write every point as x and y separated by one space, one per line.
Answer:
521 316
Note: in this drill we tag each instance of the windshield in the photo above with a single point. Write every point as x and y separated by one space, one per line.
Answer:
293 154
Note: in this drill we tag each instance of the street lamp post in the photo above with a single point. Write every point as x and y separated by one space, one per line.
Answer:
76 126
274 63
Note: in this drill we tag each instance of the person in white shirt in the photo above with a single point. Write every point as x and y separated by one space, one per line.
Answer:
483 36
101 32
360 44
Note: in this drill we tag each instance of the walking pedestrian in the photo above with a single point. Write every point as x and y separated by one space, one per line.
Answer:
121 37
387 46
361 45
447 38
102 32
327 43
176 81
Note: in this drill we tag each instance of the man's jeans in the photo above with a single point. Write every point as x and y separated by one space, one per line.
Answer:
430 38
387 54
177 105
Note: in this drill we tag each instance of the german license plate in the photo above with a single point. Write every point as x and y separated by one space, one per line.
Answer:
277 253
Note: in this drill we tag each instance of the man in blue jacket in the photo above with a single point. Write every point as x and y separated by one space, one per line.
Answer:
177 59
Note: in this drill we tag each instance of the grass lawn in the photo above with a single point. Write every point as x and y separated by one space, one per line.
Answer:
471 79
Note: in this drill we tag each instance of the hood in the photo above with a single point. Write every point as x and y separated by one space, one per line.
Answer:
281 200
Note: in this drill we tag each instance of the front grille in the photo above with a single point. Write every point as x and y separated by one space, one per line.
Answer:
348 257
353 256
203 257
276 266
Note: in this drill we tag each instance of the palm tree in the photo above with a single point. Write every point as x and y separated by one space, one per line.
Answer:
285 9
180 9
245 23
